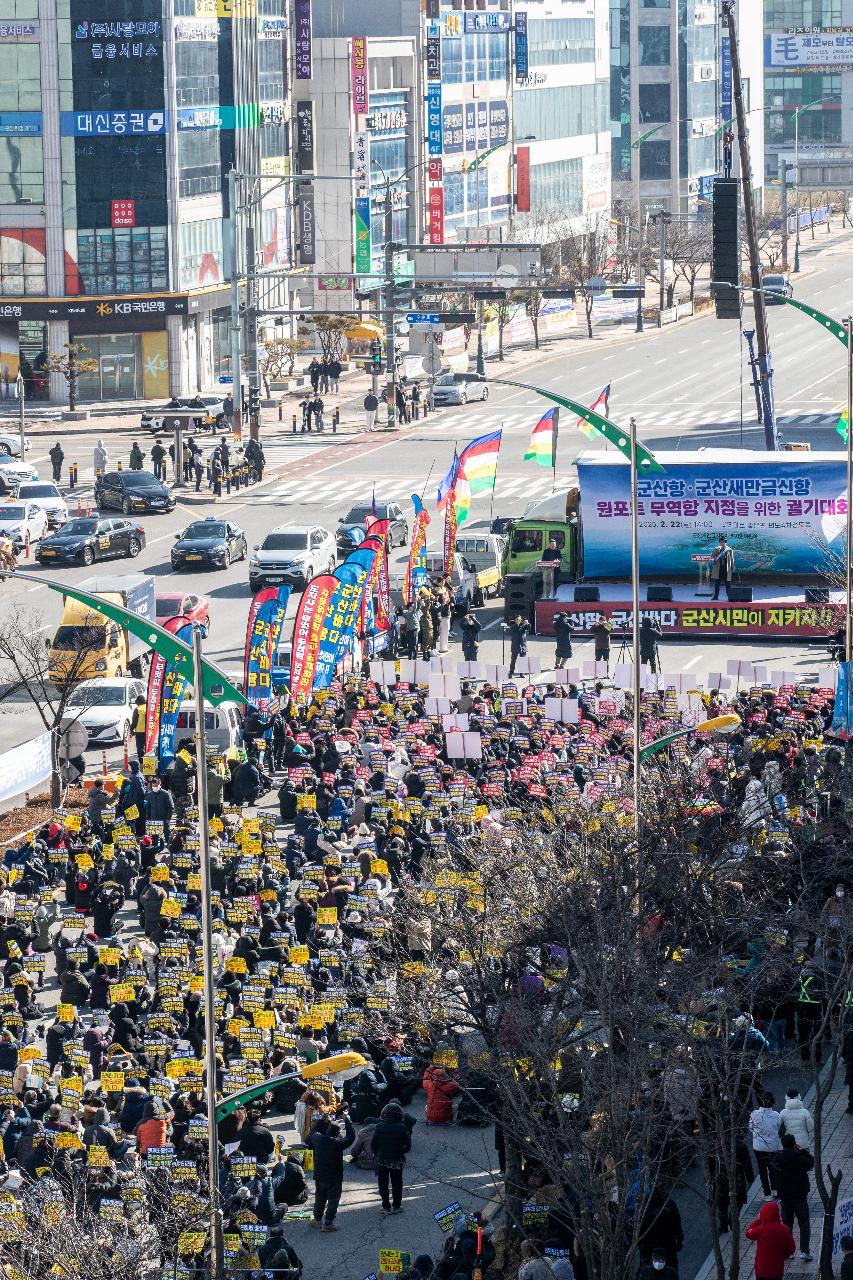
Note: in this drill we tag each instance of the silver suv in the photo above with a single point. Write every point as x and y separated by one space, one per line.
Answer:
292 554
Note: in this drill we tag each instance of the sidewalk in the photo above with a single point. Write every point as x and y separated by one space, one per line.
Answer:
837 1152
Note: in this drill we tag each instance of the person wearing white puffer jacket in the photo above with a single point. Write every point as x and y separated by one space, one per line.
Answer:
797 1120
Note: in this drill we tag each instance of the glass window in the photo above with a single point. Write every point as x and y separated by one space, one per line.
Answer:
655 4
121 261
558 183
199 241
563 111
22 262
451 61
655 103
498 47
655 160
562 41
20 75
199 163
704 44
21 169
653 44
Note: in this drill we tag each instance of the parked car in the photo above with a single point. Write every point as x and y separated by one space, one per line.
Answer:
211 407
46 495
104 707
23 522
13 473
459 388
223 725
133 491
89 538
398 531
209 544
176 604
292 554
777 284
10 443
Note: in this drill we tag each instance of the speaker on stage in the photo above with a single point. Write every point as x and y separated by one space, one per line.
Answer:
587 594
740 595
659 593
817 595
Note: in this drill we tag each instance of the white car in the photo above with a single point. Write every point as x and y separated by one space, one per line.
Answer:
105 708
292 554
13 473
10 443
23 522
46 495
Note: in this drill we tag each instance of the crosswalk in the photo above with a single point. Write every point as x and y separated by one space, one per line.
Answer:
522 418
335 495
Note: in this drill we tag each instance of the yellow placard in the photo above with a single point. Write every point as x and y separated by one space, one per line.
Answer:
131 814
191 1241
159 873
171 908
112 1081
84 861
109 955
298 955
327 915
378 867
390 1261
98 1157
308 801
122 992
65 1012
216 825
194 880
67 1141
149 766
236 964
265 1019
73 821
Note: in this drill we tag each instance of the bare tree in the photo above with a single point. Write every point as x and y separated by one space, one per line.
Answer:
71 364
279 360
331 330
689 247
586 254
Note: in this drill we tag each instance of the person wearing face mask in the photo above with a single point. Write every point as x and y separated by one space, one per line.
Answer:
658 1268
837 915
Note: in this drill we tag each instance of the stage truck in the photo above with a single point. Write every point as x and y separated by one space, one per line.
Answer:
783 514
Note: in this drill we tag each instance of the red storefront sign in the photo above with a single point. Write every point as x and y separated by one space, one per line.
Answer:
435 169
522 179
123 213
712 619
436 215
359 76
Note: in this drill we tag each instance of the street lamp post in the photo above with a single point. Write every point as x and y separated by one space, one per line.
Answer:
21 390
635 610
848 542
800 110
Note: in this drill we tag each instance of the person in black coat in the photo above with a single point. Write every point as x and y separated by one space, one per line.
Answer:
650 633
391 1140
518 630
329 1145
256 1139
470 625
563 634
791 1168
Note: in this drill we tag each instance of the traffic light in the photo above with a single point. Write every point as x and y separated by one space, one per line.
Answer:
725 252
376 353
254 401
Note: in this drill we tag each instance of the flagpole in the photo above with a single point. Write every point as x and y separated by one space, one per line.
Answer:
495 480
635 609
426 482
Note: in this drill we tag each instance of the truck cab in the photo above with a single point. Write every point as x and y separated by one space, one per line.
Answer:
462 580
530 537
483 555
86 645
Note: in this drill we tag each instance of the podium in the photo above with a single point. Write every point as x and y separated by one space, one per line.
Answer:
703 561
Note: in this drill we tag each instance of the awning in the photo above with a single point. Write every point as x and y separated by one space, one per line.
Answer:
364 330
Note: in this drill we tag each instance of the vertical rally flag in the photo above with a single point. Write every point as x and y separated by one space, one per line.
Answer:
343 612
450 523
379 574
266 616
156 676
602 406
416 574
840 726
543 440
175 684
479 461
309 627
377 540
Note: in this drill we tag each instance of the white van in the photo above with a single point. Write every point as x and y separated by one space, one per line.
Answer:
223 725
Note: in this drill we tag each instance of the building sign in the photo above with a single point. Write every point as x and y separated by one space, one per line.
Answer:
435 170
24 124
116 40
522 52
388 120
123 213
111 124
490 20
476 126
307 225
19 32
436 215
200 118
272 28
358 75
498 123
361 160
831 47
305 136
452 128
596 182
522 179
453 28
335 284
433 54
361 205
196 29
435 133
302 39
172 304
272 113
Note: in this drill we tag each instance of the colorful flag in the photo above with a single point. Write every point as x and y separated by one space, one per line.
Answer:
543 440
841 426
455 482
156 676
416 572
601 405
263 628
311 621
479 461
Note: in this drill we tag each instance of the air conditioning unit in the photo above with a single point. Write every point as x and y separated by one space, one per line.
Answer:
706 72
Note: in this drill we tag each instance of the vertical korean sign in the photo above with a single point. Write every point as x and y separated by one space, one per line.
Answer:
358 67
522 60
302 39
433 53
361 205
726 96
306 224
436 215
434 128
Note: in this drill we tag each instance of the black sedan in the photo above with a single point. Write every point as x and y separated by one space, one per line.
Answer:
90 538
129 491
209 544
398 529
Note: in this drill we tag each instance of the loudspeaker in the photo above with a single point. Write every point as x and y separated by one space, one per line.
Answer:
740 595
587 594
659 593
725 248
817 595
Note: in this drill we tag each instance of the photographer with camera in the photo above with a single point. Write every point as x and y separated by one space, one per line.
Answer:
650 633
563 632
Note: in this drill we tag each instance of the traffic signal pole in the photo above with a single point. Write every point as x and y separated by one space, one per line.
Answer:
764 364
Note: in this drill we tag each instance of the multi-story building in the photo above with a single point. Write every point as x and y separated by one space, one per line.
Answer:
808 64
120 121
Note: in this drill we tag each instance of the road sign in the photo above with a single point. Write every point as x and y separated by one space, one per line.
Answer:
225 379
432 362
423 317
73 740
596 284
427 328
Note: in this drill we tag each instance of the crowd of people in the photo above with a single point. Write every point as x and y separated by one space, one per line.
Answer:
104 1093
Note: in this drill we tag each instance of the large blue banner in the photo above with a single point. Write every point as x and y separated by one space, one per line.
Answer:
780 513
342 615
266 616
839 715
175 683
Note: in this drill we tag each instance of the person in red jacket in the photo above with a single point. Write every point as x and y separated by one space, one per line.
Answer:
440 1090
775 1243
